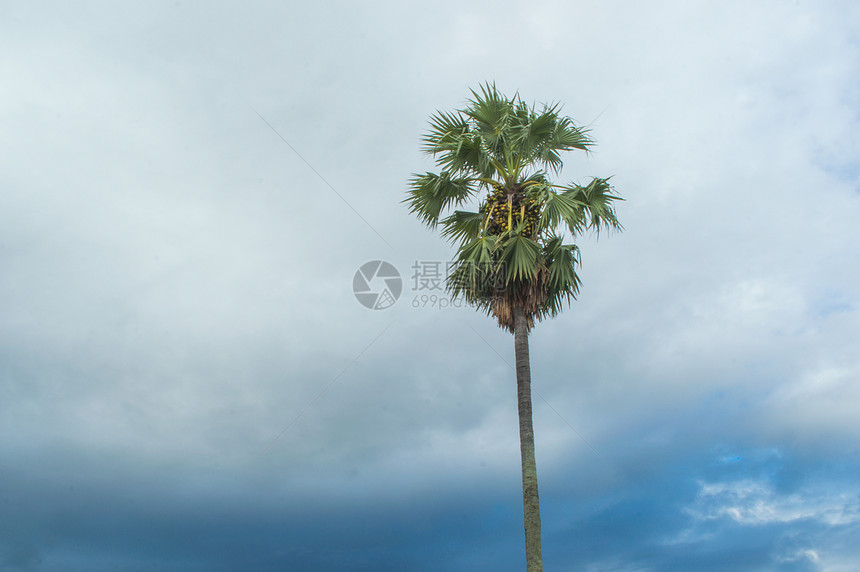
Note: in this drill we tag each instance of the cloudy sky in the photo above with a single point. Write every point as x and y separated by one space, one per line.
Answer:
187 382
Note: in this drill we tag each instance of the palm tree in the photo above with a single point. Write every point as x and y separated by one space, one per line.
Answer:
512 261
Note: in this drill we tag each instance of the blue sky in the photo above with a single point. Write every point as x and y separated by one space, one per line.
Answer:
187 381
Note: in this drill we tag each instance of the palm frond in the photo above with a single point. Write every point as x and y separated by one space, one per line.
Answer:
446 129
462 226
475 271
597 200
429 194
561 208
568 136
467 157
563 281
490 109
533 132
520 257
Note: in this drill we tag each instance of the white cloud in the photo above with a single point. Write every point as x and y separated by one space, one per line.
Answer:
752 502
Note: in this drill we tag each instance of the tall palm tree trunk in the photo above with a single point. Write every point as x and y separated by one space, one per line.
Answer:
531 505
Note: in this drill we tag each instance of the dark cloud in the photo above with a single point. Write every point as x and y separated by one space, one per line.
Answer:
672 515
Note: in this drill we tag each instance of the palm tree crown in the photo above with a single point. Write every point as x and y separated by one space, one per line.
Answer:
511 251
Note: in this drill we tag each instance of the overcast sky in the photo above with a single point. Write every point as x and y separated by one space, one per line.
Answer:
187 382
